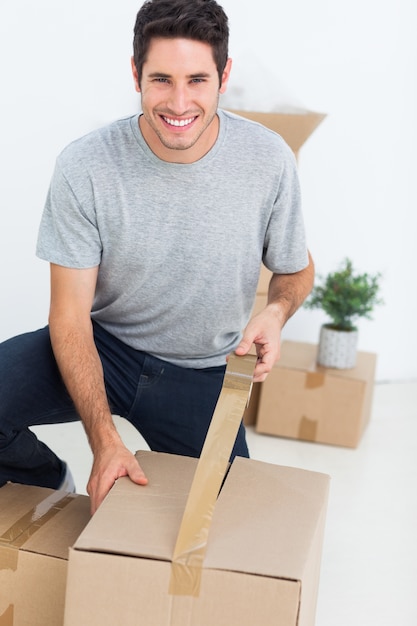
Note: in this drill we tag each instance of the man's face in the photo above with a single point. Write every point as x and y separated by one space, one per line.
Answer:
180 91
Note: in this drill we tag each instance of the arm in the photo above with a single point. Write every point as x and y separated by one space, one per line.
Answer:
286 293
72 292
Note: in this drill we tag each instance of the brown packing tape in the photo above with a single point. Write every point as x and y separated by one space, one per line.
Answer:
307 429
8 557
19 532
7 619
192 537
314 380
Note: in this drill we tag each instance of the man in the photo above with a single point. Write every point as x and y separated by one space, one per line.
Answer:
155 228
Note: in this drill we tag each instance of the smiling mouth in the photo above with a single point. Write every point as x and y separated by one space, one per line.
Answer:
178 123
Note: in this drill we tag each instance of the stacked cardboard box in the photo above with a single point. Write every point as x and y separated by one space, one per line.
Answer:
37 527
303 400
295 128
262 557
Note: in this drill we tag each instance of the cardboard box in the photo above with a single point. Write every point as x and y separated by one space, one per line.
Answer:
262 557
303 400
37 526
294 128
263 282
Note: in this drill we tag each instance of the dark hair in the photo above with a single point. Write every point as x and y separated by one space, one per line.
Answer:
202 20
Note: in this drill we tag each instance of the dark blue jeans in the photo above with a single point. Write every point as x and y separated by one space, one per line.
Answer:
170 406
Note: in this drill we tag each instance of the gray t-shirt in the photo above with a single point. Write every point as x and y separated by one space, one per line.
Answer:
179 246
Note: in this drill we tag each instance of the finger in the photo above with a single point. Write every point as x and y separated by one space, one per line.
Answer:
260 373
136 473
263 366
243 348
98 490
106 482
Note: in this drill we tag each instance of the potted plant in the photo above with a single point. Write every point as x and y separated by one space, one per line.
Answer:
344 296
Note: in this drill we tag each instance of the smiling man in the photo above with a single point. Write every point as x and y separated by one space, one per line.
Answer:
155 228
179 104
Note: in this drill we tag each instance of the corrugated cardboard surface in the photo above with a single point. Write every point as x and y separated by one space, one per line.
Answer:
261 564
143 522
37 526
106 590
302 400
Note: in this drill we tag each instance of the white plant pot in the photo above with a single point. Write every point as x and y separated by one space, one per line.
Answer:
337 348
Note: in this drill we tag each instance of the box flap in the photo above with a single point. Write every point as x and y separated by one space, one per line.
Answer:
40 520
16 500
143 521
294 128
271 511
263 523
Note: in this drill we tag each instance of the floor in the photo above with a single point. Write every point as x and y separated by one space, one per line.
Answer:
369 564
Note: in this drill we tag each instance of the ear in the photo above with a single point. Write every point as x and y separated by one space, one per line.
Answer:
225 76
135 75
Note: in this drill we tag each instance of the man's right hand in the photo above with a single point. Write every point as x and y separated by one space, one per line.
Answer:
72 337
111 463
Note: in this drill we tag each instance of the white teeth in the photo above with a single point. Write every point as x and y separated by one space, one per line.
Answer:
179 122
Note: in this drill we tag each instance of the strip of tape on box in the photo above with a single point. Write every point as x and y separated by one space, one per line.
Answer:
27 525
7 619
191 542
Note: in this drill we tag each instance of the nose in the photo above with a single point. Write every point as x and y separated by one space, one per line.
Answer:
178 100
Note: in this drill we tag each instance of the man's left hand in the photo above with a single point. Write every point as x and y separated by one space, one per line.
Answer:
263 330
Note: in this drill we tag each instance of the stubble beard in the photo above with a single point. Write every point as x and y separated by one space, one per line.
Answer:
175 144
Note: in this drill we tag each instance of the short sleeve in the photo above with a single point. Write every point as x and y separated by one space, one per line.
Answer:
285 247
68 233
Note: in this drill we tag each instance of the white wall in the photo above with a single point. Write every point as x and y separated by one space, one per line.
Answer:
65 70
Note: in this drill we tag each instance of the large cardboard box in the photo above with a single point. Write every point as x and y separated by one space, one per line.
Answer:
37 526
294 128
303 400
262 558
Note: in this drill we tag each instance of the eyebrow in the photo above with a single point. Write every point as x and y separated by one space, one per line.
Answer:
164 75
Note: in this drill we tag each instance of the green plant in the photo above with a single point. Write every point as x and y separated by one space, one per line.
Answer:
345 296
